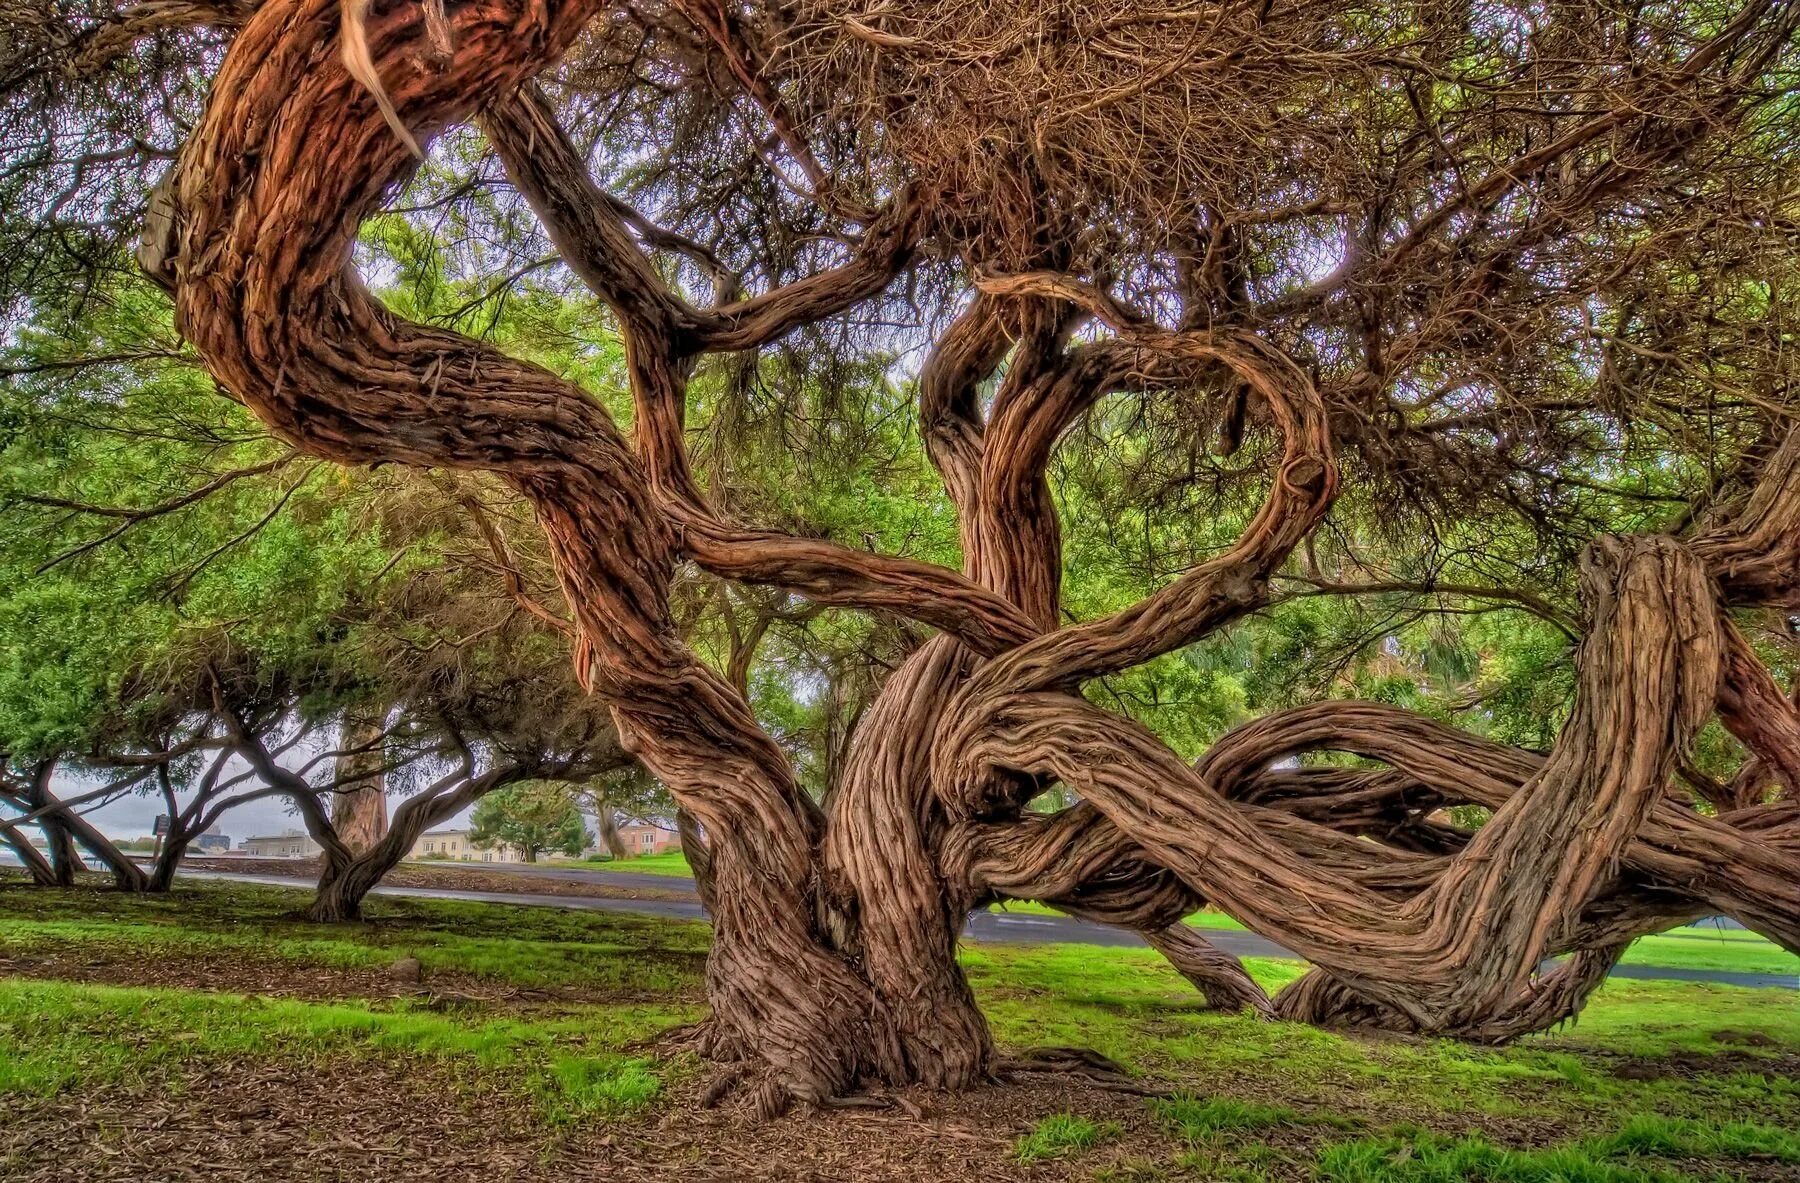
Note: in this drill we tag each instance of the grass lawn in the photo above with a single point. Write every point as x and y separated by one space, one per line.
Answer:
672 863
140 1035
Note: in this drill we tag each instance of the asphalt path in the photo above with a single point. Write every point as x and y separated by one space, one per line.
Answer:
1011 927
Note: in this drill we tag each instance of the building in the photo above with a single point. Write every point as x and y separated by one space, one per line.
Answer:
455 844
643 839
213 842
288 844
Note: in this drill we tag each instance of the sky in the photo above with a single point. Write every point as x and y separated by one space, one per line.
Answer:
133 815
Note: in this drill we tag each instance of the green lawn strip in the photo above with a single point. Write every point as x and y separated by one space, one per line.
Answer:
1677 1137
1409 1155
1643 1017
1197 1119
1425 1158
673 863
55 1035
1708 951
527 947
1695 948
1128 1005
1711 932
1063 1134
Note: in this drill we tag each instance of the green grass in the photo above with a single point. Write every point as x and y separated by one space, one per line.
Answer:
609 1086
616 978
1621 1157
672 863
1428 1159
1648 1134
1196 1118
1741 952
57 1035
1126 1004
610 952
1063 1134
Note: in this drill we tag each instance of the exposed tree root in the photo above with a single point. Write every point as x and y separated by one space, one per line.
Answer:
1090 1065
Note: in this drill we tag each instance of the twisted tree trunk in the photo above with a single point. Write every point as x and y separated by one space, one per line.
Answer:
833 957
35 862
608 823
346 881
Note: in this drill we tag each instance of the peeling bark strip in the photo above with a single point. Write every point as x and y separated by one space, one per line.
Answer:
833 960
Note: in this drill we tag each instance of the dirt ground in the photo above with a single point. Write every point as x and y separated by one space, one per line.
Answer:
377 1122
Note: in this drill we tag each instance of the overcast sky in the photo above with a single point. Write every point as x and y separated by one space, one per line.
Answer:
133 815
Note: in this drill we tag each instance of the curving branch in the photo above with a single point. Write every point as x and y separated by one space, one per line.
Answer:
1765 719
1471 940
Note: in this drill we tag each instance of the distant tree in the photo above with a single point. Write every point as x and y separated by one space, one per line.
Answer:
535 817
272 631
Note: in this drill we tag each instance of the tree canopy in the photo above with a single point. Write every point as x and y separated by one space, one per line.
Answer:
1330 460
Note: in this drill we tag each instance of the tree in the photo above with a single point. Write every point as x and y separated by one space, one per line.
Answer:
628 792
359 811
1433 280
531 818
251 620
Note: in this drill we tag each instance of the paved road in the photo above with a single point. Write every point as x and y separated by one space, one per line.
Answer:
983 926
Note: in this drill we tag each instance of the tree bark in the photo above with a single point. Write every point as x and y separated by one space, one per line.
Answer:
903 919
608 823
1221 978
36 864
344 883
359 812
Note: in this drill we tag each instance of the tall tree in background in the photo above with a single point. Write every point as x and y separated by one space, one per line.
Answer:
1329 299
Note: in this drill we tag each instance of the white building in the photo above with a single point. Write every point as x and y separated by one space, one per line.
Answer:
455 844
287 844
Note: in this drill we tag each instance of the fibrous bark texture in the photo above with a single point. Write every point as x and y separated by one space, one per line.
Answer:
359 807
833 959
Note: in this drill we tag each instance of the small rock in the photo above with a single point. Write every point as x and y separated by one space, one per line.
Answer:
408 970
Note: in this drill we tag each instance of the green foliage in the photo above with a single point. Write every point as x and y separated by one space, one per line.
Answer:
1428 1159
107 620
1063 1134
534 817
1195 1118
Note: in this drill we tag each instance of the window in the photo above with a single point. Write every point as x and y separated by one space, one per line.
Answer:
430 847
